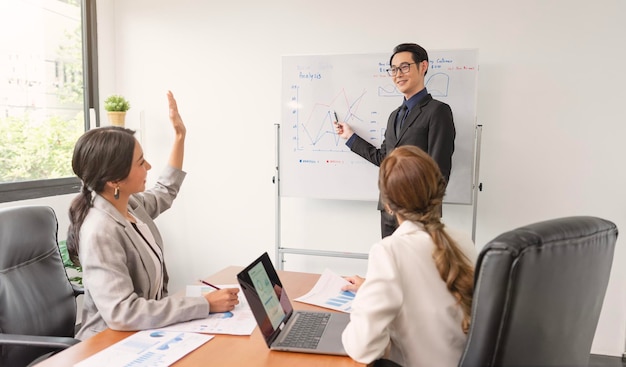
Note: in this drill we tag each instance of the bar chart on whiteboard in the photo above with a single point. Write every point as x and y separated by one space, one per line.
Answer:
315 162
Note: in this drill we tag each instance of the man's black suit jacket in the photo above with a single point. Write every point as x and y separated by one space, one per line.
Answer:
429 126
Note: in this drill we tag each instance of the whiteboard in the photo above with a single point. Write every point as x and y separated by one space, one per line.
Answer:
314 161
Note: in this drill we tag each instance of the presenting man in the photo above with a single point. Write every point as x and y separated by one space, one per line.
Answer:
420 120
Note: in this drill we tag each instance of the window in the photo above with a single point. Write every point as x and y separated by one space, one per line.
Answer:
47 74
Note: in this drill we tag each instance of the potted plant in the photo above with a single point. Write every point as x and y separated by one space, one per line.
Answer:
116 107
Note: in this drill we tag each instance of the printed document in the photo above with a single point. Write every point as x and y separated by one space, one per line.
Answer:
327 293
148 348
239 321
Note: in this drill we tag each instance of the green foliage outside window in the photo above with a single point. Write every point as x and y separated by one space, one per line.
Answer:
30 151
71 52
42 111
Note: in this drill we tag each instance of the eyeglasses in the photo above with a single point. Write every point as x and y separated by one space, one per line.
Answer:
404 68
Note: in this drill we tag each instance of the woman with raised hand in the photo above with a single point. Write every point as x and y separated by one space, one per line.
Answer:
112 234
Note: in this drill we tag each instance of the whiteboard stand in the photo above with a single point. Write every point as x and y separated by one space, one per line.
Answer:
281 251
478 186
277 218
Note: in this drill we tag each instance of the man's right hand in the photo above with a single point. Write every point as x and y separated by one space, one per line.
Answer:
343 130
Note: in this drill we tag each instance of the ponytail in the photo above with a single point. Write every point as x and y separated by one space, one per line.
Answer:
78 211
455 269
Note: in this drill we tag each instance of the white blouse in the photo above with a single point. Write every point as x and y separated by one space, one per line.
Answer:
155 253
404 301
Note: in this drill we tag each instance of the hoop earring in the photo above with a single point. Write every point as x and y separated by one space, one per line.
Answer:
116 193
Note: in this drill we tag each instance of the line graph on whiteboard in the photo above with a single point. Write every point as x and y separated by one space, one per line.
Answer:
361 93
315 161
314 127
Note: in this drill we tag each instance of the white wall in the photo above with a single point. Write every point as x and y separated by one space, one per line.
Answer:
550 100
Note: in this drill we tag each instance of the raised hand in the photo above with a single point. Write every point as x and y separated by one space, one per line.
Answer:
177 121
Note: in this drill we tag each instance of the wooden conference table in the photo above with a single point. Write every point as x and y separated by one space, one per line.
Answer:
223 350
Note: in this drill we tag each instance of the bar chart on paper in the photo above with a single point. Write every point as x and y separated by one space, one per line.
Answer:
342 301
327 293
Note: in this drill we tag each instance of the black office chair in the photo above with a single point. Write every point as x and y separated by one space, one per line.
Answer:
37 301
538 294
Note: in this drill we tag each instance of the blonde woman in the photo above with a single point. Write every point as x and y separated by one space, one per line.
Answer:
413 307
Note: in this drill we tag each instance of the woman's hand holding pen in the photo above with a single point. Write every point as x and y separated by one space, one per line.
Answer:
355 283
223 300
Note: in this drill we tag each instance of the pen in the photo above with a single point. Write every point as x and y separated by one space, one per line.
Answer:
336 118
209 284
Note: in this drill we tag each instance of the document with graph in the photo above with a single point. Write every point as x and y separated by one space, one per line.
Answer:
327 293
148 348
239 321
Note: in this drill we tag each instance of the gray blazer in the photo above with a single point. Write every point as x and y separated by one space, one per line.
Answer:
118 271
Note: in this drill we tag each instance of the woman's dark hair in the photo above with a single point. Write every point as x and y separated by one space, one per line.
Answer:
418 53
412 186
100 155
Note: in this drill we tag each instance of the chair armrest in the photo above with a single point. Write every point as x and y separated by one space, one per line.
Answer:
56 342
78 289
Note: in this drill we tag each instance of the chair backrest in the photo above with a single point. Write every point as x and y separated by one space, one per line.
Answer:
538 294
36 297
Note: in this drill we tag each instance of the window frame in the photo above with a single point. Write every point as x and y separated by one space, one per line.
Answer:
24 190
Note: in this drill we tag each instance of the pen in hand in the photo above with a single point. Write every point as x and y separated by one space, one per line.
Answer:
336 118
219 302
209 284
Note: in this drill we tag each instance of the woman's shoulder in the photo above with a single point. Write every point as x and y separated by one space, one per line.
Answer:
99 223
97 216
407 234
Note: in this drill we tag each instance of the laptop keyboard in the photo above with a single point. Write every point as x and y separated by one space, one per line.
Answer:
306 330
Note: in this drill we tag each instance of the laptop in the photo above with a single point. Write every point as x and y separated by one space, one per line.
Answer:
283 328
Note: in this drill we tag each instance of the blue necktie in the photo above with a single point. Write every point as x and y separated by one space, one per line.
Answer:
404 111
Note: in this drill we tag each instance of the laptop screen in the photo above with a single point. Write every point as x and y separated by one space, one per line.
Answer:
265 295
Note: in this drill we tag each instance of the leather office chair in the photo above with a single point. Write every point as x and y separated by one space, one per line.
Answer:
538 294
37 301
